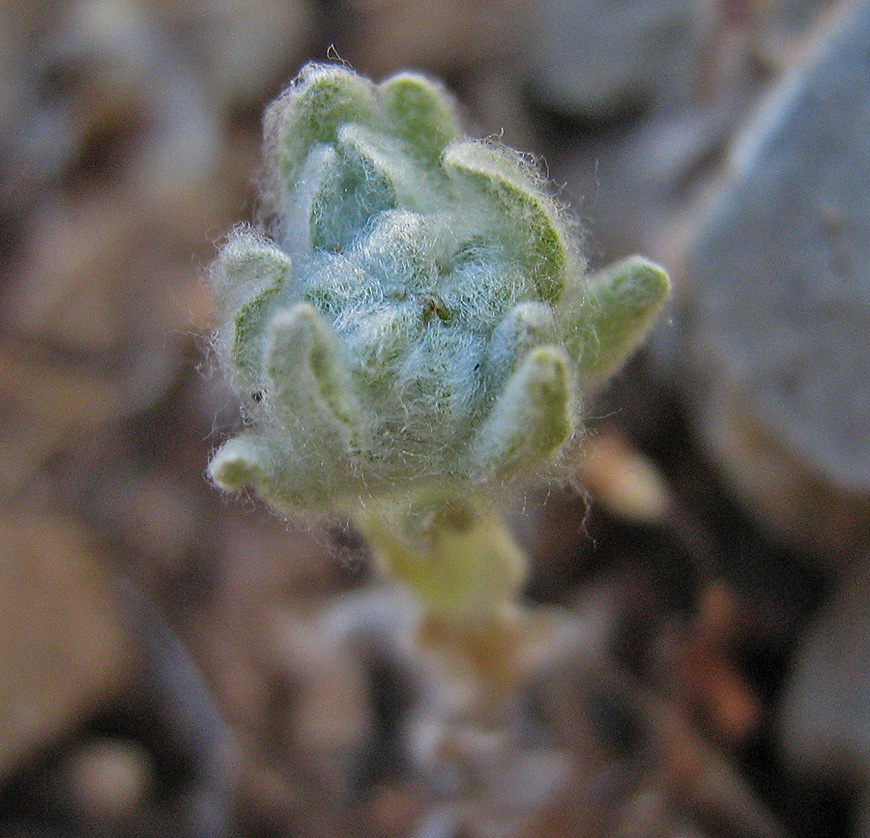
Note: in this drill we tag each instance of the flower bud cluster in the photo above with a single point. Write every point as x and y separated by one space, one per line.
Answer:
420 311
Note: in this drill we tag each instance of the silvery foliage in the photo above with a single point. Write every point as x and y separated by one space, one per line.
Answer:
420 312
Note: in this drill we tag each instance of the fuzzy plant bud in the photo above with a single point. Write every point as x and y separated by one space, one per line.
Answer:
419 312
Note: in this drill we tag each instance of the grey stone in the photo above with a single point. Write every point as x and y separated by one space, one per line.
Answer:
595 58
824 718
775 298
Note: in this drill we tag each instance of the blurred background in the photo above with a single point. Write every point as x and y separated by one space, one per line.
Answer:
174 663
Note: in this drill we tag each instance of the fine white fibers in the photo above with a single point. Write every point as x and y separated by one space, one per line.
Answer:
407 323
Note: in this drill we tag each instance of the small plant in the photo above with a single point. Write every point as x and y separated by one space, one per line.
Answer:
415 335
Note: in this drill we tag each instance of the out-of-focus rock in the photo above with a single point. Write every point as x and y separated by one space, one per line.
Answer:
779 22
597 59
109 779
114 157
104 81
102 276
637 766
244 50
773 338
101 309
442 37
18 26
824 721
44 407
65 651
631 166
328 717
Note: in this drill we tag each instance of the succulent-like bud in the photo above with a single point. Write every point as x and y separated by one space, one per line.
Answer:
421 312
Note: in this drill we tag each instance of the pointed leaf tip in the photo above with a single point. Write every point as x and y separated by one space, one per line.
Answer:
619 308
531 419
531 229
421 111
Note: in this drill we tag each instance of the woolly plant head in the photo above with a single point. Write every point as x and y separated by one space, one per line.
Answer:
419 311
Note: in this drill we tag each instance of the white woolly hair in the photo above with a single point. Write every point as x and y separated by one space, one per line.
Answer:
412 272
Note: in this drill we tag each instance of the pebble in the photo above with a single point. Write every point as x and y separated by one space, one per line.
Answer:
824 719
774 298
596 59
65 649
109 779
